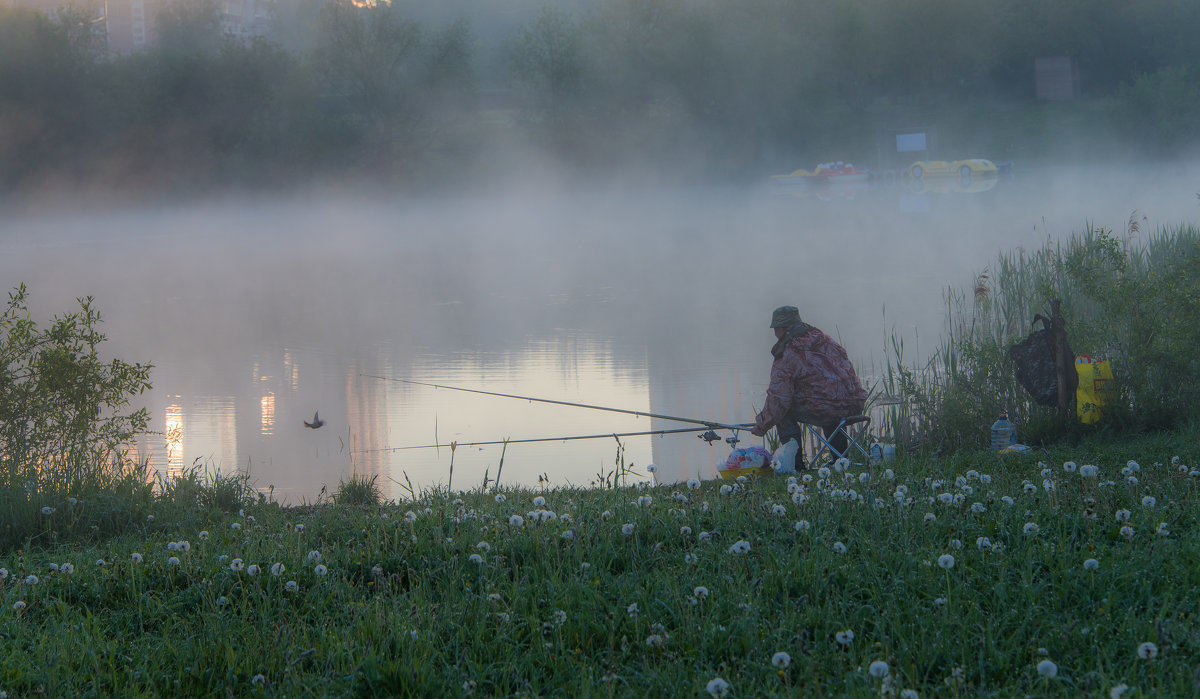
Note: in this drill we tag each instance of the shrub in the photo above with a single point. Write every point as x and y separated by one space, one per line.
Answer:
63 425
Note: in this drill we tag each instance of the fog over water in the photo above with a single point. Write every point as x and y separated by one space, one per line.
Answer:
257 313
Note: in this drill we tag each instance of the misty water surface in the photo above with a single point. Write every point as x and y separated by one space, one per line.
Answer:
258 313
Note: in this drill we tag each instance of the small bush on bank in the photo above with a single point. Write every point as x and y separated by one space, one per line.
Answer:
63 425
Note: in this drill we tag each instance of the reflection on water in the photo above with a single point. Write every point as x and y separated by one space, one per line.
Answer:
654 302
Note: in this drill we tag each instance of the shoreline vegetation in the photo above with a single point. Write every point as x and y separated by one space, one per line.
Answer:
951 571
381 96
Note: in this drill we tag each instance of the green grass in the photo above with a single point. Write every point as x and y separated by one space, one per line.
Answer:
403 610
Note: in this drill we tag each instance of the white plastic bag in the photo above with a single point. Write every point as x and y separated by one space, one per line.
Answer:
784 460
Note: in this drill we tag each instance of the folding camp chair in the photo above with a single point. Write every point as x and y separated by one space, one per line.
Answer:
843 428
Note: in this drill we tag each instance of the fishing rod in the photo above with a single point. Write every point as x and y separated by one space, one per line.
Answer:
543 439
710 424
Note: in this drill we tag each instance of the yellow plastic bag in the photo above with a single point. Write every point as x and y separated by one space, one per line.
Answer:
1095 383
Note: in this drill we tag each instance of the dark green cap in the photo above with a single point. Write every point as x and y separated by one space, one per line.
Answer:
785 316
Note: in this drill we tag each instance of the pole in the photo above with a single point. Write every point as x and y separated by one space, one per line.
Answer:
506 442
673 418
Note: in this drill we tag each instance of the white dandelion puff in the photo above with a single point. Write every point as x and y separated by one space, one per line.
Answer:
516 521
781 660
946 561
1030 529
1047 668
740 547
844 637
627 528
839 547
321 570
278 569
1147 651
1091 564
878 668
475 558
717 687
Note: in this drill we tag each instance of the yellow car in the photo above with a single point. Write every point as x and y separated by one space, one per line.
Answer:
971 167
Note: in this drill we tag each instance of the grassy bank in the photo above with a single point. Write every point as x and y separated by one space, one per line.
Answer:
971 574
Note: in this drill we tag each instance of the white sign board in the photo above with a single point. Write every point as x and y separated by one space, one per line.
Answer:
909 142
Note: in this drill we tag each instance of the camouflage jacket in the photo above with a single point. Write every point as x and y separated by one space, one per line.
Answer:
812 379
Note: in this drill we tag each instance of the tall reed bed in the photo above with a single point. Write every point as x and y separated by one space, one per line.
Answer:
1132 299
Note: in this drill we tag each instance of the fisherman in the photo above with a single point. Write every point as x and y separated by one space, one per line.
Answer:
812 382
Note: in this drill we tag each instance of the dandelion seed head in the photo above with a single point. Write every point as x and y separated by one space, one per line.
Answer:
946 561
135 557
1030 529
1147 651
839 547
781 660
320 570
18 605
844 637
252 570
500 497
278 569
627 528
717 687
475 558
740 548
291 586
1091 564
802 525
172 561
1047 668
878 668
516 521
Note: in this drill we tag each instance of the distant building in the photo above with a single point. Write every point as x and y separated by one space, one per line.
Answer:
129 24
244 19
1056 78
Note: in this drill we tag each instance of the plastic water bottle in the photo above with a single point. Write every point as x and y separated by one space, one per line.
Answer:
1004 433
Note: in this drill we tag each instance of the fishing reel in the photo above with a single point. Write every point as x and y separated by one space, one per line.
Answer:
711 436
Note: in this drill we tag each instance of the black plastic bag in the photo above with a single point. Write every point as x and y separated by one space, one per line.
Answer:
1033 361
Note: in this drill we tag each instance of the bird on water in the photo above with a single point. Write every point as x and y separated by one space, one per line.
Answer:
316 421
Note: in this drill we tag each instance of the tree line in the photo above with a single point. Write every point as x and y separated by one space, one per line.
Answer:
688 88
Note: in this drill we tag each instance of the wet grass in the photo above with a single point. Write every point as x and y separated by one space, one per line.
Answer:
643 591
